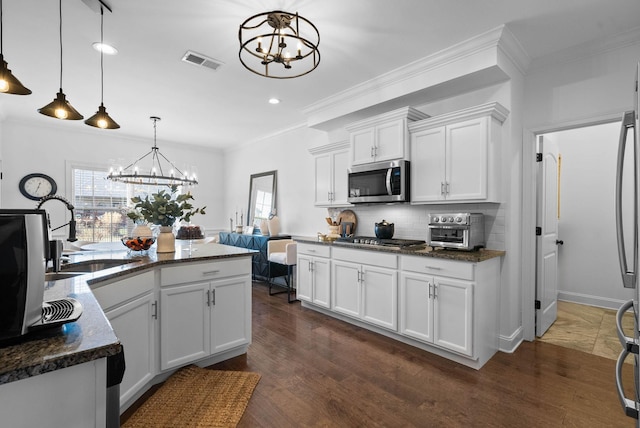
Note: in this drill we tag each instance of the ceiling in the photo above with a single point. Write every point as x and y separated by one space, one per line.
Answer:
359 40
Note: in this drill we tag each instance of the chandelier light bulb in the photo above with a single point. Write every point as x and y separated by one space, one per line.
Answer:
4 85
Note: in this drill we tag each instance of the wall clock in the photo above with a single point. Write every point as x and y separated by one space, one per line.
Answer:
36 186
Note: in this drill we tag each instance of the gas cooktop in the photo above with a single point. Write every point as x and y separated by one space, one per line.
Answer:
368 240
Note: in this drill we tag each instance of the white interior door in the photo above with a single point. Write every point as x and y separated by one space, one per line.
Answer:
547 241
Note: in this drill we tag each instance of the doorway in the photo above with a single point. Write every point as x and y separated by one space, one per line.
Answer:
588 266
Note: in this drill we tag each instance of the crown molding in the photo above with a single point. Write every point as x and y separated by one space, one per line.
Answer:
327 148
495 110
478 56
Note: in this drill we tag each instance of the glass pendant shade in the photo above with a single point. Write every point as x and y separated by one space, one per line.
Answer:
9 84
60 108
102 119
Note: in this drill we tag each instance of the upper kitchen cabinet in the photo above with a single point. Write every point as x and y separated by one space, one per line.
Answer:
331 164
456 156
383 137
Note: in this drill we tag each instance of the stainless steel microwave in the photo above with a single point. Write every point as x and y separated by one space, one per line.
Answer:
379 182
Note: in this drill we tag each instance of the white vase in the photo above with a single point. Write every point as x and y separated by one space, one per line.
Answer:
274 226
166 242
264 227
142 231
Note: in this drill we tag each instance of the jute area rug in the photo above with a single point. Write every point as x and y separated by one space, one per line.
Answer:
196 397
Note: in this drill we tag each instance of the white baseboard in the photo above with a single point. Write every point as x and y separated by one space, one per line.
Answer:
587 299
510 343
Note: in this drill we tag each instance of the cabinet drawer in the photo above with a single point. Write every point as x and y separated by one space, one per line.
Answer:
366 257
192 272
122 290
440 267
314 250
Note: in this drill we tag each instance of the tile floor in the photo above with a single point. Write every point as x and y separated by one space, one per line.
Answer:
588 329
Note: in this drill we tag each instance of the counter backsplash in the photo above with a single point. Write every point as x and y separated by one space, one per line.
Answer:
411 221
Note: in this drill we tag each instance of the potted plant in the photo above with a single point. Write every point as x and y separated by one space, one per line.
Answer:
164 208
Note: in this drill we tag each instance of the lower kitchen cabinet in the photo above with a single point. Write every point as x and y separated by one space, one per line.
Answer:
202 318
444 306
130 305
314 274
364 285
135 325
437 310
450 304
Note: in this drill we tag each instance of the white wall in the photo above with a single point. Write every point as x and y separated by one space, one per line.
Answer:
588 269
28 148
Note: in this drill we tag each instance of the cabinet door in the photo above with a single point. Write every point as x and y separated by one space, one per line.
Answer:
453 315
362 146
184 324
416 306
323 184
467 160
390 141
428 165
135 326
340 178
322 282
304 279
380 297
345 288
230 302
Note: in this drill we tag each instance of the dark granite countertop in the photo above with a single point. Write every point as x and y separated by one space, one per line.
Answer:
419 250
91 336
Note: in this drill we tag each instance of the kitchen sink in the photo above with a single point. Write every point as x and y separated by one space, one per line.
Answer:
92 265
55 276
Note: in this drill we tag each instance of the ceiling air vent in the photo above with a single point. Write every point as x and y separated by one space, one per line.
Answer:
201 60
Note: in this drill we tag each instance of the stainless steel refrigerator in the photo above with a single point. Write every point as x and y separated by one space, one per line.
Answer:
627 233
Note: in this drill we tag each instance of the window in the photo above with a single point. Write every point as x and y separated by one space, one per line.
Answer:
101 205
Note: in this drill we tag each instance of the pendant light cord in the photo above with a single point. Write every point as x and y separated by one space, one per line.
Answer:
101 54
60 31
1 26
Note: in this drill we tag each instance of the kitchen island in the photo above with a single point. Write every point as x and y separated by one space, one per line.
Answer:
443 301
58 377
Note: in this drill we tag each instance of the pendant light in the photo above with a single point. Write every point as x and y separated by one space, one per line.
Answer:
60 108
102 119
9 84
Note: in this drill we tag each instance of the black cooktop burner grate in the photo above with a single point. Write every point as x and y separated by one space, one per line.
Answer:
368 240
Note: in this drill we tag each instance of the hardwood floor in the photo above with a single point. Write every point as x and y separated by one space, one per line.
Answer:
318 371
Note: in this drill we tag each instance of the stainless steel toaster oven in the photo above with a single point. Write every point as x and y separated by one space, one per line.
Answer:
463 231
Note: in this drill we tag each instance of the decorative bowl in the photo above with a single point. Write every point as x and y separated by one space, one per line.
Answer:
138 243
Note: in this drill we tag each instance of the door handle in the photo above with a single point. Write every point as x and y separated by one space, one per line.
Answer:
430 295
154 305
442 188
628 276
559 242
208 299
213 297
629 406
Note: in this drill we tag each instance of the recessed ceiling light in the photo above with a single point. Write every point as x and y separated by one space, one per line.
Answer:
105 48
274 101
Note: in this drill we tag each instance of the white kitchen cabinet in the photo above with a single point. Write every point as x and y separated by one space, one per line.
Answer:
383 137
205 309
135 325
314 274
456 157
364 285
450 304
331 173
437 310
130 305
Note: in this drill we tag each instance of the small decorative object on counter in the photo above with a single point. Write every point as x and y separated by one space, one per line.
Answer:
138 243
166 240
190 231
